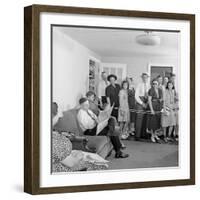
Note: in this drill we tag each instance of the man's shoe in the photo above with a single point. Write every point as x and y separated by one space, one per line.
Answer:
121 155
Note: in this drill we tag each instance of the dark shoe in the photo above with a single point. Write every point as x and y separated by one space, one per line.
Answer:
165 140
121 155
109 154
158 141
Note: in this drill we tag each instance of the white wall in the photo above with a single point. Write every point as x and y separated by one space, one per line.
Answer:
70 70
71 67
137 64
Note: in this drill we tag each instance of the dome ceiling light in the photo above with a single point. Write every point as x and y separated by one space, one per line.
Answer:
148 39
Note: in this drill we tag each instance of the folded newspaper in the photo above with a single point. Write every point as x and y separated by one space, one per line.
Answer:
103 118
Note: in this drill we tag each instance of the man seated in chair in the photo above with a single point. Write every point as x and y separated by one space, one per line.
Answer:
88 122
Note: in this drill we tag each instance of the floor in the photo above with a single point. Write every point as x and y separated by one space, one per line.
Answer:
146 155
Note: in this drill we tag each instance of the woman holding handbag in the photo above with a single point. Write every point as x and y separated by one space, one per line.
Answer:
155 101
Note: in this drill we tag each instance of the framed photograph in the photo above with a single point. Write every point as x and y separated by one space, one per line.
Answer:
109 99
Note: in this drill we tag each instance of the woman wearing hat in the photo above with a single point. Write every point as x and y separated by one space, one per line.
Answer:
112 94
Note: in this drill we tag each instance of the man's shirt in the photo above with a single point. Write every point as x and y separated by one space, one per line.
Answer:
86 119
141 91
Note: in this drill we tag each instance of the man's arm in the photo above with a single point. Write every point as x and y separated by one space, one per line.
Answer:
150 105
55 120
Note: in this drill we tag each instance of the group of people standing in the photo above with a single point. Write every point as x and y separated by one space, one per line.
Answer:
149 108
140 111
121 97
145 109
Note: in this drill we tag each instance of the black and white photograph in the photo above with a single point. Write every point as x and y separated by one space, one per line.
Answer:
109 99
114 98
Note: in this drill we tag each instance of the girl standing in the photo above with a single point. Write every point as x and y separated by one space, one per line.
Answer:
124 115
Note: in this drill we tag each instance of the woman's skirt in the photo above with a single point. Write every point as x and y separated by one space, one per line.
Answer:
154 121
123 115
169 119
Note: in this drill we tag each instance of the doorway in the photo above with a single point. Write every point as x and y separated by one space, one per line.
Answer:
118 69
162 70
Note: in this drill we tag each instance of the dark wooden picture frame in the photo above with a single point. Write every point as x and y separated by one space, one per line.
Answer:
32 98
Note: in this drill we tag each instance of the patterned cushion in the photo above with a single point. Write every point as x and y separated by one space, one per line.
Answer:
83 166
69 123
61 147
59 167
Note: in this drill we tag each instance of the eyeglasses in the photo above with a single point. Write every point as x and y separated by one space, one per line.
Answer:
155 83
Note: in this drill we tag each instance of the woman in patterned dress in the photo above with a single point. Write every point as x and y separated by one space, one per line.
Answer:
169 115
124 115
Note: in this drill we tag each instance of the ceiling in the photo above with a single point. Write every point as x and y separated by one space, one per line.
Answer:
122 43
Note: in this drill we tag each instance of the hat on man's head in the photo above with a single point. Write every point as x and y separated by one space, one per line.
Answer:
144 74
82 100
111 76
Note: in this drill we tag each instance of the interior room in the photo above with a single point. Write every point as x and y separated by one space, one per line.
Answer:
126 53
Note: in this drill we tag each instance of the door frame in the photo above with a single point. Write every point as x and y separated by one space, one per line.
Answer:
96 60
123 65
160 65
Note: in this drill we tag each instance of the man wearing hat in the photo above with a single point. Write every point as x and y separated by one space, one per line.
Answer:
112 94
141 97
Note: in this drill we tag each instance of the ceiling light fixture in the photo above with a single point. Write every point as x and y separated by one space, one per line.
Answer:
148 39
